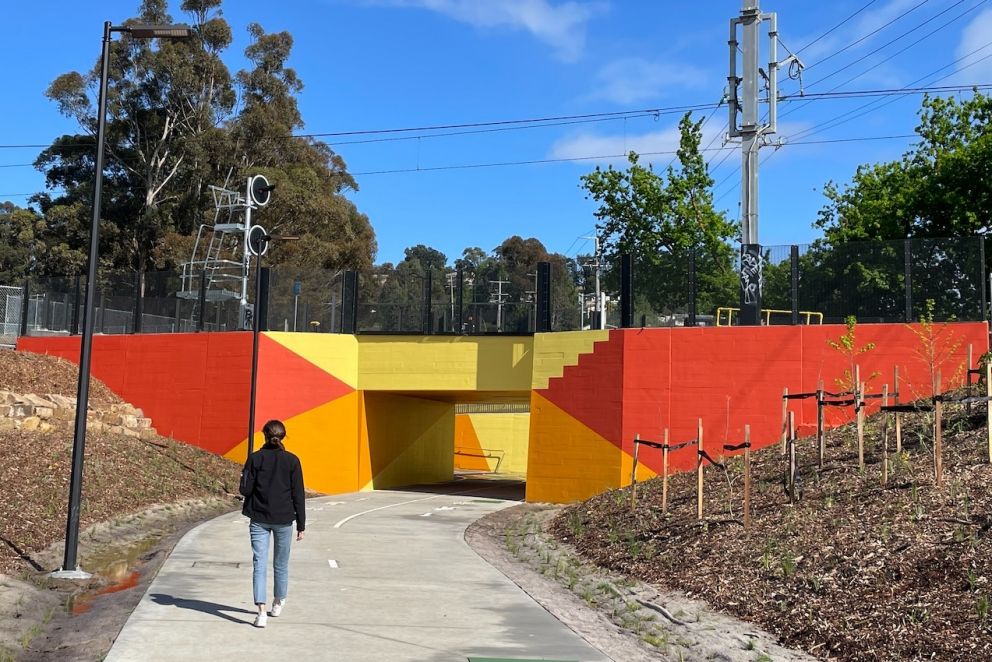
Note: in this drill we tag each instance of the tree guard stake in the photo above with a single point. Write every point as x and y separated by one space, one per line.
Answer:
664 475
820 439
859 415
699 469
895 385
938 406
785 417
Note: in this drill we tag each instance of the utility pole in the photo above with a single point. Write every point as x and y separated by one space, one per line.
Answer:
744 123
597 265
499 302
532 313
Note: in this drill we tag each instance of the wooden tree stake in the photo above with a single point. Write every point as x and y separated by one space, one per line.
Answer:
885 436
821 441
792 457
664 475
898 415
633 472
967 376
938 406
699 469
785 417
988 405
859 414
747 477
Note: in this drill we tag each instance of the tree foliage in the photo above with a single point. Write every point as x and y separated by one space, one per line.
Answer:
177 122
660 218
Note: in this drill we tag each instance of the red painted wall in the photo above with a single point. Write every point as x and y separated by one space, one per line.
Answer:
734 376
194 387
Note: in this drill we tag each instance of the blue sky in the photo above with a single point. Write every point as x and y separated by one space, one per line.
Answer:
381 64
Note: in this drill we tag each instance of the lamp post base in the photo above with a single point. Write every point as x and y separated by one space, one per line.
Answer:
77 574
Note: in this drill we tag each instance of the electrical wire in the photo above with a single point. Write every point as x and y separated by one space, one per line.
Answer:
831 30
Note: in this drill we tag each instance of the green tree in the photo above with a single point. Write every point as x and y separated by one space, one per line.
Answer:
163 97
660 218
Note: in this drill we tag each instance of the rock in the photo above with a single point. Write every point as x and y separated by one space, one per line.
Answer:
44 413
144 423
131 432
61 401
37 401
95 426
7 424
65 413
45 427
31 423
129 421
112 418
7 398
147 433
20 410
116 429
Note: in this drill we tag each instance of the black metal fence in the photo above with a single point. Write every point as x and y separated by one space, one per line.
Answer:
890 281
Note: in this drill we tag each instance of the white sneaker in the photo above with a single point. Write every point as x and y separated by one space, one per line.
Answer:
277 607
261 620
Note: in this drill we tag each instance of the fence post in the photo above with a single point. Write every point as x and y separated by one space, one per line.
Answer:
459 303
898 416
750 285
981 270
626 291
699 469
967 376
747 477
691 321
859 415
792 457
633 472
543 294
907 252
988 408
794 271
938 407
664 470
785 416
139 312
820 438
202 317
427 320
885 435
349 303
103 310
25 304
74 323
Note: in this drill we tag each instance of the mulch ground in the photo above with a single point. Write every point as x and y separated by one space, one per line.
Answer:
121 474
854 571
22 372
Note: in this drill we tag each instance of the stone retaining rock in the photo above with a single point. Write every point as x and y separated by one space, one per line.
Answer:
32 412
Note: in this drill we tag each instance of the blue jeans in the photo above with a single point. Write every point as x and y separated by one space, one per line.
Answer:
283 538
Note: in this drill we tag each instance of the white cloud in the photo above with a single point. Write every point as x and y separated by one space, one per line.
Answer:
657 147
562 25
863 25
973 38
632 79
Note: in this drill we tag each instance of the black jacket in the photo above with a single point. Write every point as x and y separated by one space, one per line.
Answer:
272 485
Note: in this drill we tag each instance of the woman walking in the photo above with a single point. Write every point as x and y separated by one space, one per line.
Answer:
272 485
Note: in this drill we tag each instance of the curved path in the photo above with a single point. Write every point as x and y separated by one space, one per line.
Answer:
383 576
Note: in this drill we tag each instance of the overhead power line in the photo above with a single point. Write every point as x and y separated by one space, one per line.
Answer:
604 157
831 30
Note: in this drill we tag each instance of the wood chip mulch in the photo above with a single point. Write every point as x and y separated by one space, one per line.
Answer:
23 372
854 571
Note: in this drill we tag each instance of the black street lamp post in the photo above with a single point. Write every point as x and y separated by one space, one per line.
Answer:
70 567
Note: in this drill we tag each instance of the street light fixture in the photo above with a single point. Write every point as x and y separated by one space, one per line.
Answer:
70 568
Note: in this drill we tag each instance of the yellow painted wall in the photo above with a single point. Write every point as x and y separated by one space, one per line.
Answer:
406 440
440 363
492 442
553 352
336 353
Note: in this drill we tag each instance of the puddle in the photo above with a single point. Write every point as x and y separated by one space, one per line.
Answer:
117 568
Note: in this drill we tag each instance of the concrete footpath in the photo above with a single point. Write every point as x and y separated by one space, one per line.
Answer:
383 576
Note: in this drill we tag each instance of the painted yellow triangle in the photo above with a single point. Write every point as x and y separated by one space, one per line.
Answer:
334 353
553 352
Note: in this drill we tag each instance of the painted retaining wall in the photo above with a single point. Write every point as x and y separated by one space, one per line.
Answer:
371 412
495 443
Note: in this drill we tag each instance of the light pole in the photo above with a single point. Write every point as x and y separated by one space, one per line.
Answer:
70 567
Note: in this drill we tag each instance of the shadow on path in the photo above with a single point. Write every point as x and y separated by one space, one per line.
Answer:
211 608
485 486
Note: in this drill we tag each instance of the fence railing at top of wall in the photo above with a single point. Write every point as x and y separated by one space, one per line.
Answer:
892 281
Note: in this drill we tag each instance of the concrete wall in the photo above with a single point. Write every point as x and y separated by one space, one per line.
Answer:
378 411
